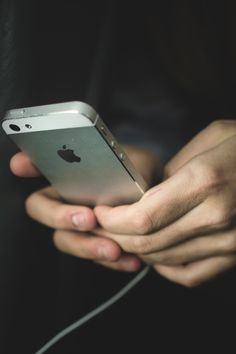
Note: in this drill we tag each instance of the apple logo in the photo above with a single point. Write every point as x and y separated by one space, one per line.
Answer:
68 155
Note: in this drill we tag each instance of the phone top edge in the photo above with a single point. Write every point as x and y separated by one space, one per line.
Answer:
36 124
73 107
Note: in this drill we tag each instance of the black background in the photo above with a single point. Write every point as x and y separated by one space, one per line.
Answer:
42 291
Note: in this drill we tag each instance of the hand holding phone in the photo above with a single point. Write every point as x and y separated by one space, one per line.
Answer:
76 152
22 166
46 207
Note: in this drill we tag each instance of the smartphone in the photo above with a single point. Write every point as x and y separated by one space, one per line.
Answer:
76 152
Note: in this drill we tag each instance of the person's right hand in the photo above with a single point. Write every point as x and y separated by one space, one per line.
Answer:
74 224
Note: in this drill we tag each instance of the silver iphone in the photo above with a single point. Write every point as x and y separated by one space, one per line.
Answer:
76 152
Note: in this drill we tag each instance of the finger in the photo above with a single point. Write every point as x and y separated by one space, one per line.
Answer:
86 246
22 166
46 207
195 250
126 263
196 223
208 138
197 273
157 209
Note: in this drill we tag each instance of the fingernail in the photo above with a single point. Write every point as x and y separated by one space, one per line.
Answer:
78 220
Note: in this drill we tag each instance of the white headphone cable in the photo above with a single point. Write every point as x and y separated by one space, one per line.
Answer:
95 312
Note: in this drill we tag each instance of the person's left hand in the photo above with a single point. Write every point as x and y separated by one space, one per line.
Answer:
185 227
75 236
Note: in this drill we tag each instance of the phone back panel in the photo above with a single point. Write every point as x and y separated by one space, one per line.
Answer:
80 164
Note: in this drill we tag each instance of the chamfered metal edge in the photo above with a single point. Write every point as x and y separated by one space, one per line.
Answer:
77 107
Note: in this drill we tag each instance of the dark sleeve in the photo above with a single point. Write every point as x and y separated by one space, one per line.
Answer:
151 116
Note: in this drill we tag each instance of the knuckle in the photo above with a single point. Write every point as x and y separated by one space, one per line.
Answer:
220 126
55 219
217 126
58 218
171 259
168 258
142 245
142 222
221 218
209 178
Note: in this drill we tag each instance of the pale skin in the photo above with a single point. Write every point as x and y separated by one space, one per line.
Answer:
185 227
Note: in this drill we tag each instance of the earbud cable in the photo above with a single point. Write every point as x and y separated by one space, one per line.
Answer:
95 312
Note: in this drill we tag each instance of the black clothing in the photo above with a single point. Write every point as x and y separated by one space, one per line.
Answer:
166 92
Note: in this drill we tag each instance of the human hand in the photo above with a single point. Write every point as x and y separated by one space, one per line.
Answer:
145 162
185 226
22 166
72 223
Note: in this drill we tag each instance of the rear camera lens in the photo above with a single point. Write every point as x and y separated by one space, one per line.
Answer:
14 127
28 126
